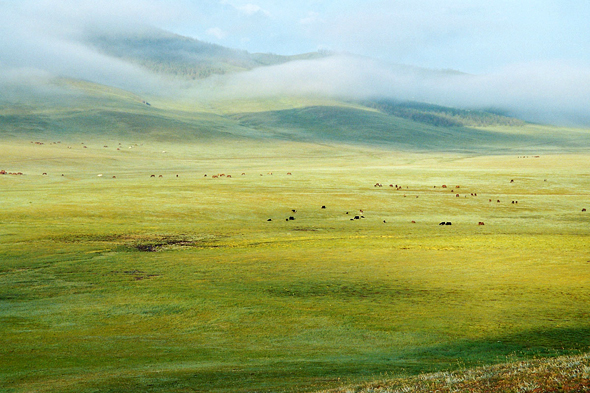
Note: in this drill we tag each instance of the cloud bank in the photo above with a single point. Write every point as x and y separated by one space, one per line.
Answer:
45 38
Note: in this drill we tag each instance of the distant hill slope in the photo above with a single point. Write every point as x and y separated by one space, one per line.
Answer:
166 53
442 116
88 111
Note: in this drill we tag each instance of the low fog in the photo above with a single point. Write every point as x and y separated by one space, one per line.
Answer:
35 48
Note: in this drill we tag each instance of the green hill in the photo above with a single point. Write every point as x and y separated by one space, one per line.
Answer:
91 111
171 54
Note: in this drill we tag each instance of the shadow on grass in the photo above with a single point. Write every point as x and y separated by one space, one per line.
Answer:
316 374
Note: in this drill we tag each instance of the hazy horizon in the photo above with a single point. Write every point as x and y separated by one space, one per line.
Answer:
528 58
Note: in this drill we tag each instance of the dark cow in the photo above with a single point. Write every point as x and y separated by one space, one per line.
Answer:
442 223
583 210
480 223
323 207
294 211
448 223
357 217
270 219
291 218
152 175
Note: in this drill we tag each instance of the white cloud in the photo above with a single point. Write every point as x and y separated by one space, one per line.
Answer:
311 18
217 33
252 9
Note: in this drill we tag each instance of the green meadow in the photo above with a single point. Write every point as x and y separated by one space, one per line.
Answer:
183 282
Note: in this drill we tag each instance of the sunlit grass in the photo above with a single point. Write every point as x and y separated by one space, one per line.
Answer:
181 283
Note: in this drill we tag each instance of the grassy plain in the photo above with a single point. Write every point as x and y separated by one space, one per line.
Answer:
179 283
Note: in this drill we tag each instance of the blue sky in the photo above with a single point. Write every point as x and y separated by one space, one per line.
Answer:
472 36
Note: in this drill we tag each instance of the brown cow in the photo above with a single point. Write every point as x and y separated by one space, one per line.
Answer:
583 210
152 175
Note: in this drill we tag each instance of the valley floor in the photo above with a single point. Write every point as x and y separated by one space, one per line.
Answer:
113 279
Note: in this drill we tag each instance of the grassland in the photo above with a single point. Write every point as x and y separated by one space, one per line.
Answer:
180 283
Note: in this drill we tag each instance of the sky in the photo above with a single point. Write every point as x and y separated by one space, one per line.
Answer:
533 55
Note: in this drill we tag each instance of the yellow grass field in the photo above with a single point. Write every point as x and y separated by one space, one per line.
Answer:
180 283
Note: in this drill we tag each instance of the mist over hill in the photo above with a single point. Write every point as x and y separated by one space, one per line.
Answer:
150 61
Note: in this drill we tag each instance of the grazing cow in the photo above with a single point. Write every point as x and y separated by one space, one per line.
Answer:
391 185
457 195
584 210
291 218
288 173
490 200
85 147
243 173
44 174
176 175
161 176
361 210
357 217
413 222
2 172
442 223
152 175
270 219
205 175
346 212
457 186
444 186
498 201
448 223
512 181
294 211
114 177
480 223
215 177
323 207
229 176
